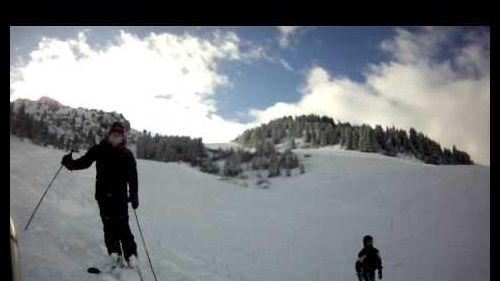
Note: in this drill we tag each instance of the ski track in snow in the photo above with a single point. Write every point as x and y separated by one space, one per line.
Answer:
430 223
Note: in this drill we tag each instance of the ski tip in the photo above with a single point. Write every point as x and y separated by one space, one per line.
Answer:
93 270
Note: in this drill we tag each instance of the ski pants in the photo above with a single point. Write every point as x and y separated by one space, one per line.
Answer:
365 274
117 234
368 275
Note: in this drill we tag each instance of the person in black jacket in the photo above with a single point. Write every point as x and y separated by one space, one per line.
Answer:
368 261
115 169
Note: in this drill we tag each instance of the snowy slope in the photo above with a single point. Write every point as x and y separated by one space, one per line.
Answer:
429 222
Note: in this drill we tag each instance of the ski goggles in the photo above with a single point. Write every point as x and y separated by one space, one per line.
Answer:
118 130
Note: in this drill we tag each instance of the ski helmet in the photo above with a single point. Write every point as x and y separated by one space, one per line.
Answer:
117 126
366 239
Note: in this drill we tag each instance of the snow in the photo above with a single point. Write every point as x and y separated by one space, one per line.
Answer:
430 223
223 146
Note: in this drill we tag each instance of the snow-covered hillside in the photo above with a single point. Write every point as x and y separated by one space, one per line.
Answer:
50 122
429 222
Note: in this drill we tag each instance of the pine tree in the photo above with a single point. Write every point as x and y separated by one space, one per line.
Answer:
307 138
274 167
348 138
329 135
232 166
365 139
75 143
266 148
91 138
380 139
355 135
210 167
447 157
390 143
414 143
404 141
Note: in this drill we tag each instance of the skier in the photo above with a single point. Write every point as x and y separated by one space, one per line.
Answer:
116 167
368 261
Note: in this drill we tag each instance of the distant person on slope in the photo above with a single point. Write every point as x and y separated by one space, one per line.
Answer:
116 167
368 261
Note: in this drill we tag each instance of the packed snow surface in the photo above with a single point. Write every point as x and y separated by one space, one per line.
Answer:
430 223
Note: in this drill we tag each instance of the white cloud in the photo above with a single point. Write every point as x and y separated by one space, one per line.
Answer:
256 52
286 65
132 74
448 100
286 35
408 47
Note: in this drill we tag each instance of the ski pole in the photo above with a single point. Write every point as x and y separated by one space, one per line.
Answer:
40 201
144 243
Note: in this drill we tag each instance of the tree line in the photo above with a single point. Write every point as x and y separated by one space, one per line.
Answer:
49 126
317 131
227 162
265 158
169 148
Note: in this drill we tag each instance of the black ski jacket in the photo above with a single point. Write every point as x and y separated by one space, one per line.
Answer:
115 168
369 259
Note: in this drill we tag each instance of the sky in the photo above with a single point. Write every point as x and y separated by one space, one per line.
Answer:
215 82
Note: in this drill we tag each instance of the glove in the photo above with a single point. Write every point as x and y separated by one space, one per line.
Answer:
135 201
67 161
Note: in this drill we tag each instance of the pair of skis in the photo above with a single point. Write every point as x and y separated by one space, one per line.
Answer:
95 270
